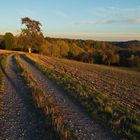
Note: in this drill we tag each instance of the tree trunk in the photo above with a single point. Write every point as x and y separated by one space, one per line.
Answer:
30 50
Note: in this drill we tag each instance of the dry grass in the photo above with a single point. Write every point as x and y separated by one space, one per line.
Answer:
2 65
56 121
109 94
9 51
119 115
119 83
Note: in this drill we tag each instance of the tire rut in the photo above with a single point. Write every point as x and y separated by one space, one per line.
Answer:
86 128
19 119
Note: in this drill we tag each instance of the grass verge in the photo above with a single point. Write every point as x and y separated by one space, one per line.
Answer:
45 103
2 66
122 121
0 76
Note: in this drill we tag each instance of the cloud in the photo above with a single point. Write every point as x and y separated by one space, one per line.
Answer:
61 14
25 12
133 20
112 15
86 22
114 11
109 21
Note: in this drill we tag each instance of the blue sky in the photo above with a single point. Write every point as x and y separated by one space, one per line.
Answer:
87 19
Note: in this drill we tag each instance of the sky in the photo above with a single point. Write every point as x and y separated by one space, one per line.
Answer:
111 20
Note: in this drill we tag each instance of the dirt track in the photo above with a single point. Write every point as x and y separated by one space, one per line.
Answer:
19 120
86 128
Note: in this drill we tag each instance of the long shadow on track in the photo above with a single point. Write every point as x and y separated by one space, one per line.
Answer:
29 118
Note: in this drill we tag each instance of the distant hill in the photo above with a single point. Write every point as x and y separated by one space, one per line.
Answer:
134 44
90 51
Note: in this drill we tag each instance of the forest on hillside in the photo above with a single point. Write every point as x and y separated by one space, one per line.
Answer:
31 39
89 51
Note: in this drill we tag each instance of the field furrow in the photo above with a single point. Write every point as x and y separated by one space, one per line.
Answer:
122 85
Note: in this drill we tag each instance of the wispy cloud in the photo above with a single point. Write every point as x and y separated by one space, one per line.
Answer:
109 21
112 15
115 11
61 14
25 12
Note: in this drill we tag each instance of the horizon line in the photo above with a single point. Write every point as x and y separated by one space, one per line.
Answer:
99 36
105 36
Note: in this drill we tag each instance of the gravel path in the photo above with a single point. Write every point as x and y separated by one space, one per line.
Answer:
19 120
86 128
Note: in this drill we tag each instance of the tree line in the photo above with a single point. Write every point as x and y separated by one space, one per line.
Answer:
109 53
90 51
